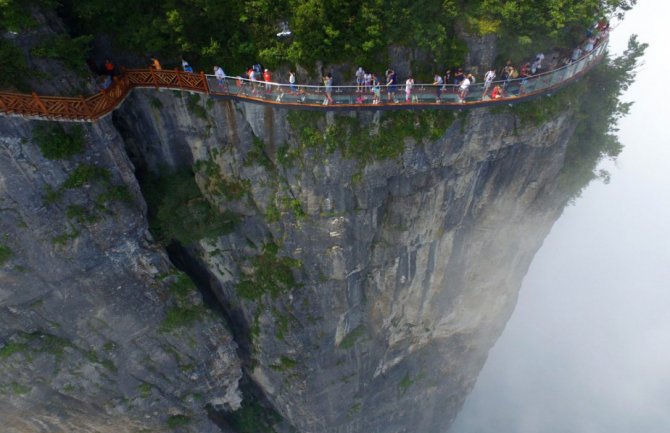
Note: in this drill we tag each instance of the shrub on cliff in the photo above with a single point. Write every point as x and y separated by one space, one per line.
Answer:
57 143
178 211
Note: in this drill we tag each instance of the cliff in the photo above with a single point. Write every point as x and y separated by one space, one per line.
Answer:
192 264
91 337
378 256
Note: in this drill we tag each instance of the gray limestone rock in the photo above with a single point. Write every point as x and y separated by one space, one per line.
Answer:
404 271
87 297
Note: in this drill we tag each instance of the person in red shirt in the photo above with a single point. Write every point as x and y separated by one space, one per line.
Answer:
109 68
497 93
267 77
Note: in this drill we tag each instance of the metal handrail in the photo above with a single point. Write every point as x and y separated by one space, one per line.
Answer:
240 87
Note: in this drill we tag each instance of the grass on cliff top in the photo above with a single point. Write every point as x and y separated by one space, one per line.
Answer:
178 211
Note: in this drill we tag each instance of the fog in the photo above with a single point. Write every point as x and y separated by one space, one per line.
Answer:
588 347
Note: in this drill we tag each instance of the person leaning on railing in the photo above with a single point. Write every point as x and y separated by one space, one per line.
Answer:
488 80
437 82
328 83
291 81
220 76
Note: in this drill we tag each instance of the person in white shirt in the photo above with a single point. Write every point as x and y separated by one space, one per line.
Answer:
576 54
291 80
464 88
408 89
360 79
488 79
368 82
220 75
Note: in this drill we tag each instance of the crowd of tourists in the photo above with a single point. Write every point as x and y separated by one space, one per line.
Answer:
368 85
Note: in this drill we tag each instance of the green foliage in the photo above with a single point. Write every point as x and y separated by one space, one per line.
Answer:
144 389
84 174
19 389
5 254
598 110
63 239
13 66
405 383
287 155
79 214
175 421
11 348
350 339
362 142
15 15
282 323
178 211
194 106
155 102
51 195
47 343
217 184
526 26
182 287
92 356
180 316
270 275
285 364
253 418
272 213
57 143
72 52
108 364
331 31
355 409
119 193
183 312
257 155
293 205
109 346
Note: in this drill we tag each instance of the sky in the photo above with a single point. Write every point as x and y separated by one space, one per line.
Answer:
587 349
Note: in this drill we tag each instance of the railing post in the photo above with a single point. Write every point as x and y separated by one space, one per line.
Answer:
180 78
39 103
205 84
3 107
153 77
125 81
87 108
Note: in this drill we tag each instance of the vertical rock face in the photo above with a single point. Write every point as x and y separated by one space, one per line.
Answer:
91 336
365 295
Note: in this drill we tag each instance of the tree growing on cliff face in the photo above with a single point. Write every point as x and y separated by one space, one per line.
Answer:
599 110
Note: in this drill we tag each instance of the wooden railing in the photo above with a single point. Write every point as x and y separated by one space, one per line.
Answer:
96 106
